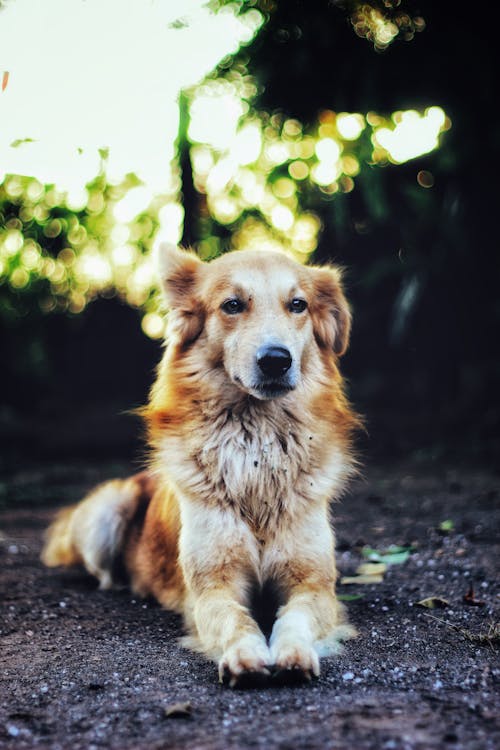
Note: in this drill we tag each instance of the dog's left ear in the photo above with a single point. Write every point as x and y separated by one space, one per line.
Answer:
330 311
180 273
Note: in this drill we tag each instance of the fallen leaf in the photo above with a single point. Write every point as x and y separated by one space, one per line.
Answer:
349 597
446 526
362 579
434 602
5 79
393 555
470 598
371 568
182 710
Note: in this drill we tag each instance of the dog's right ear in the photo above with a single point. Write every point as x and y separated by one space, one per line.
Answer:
330 313
180 272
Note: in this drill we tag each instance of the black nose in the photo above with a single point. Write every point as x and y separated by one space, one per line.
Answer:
274 361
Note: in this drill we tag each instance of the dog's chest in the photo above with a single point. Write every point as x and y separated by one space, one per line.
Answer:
254 462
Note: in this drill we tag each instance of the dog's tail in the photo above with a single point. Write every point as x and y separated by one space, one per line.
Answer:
94 532
59 546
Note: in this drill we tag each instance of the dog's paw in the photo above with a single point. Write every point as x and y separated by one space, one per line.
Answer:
294 662
245 663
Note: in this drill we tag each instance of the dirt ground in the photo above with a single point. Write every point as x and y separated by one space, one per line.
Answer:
84 669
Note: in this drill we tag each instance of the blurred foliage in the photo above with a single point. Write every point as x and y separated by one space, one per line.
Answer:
379 21
59 251
323 135
249 177
268 180
260 176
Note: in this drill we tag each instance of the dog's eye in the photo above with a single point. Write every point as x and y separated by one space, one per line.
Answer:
297 305
233 306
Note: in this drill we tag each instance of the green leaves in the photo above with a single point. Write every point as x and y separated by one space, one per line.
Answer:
378 561
393 555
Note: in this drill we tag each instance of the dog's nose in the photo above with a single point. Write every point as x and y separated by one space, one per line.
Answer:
274 360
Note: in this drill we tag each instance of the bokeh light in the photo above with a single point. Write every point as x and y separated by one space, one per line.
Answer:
412 134
383 27
257 175
72 246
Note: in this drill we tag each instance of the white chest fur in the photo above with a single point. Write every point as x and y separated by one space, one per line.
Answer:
261 460
255 458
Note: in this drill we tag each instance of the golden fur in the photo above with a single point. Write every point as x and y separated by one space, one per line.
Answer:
250 436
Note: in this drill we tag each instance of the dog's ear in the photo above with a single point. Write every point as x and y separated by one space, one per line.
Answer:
180 273
330 311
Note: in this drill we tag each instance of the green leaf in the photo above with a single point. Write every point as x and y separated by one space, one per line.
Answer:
393 555
396 558
179 23
19 142
447 525
349 597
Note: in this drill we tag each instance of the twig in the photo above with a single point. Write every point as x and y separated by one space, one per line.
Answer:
492 634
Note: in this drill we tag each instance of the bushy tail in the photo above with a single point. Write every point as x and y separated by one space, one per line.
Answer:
59 546
93 532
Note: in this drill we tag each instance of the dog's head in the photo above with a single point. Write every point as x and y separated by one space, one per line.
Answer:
257 314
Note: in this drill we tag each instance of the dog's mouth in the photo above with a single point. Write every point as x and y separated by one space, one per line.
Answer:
272 389
266 390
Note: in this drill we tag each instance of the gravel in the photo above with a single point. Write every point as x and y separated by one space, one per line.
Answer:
85 669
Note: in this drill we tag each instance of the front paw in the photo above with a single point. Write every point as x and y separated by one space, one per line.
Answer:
294 662
245 663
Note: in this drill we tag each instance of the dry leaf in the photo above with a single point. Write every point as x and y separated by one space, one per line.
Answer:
434 602
371 568
362 579
178 710
470 598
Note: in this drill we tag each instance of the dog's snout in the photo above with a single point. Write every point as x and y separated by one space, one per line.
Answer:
274 361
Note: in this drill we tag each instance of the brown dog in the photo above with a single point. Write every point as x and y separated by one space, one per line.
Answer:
250 434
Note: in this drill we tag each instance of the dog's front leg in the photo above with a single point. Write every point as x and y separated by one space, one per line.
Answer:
219 558
311 622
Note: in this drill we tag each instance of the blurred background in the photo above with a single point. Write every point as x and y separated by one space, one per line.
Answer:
361 133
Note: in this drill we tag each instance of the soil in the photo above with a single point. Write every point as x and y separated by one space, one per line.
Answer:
84 669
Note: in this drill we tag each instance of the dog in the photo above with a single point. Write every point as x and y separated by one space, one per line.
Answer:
250 437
